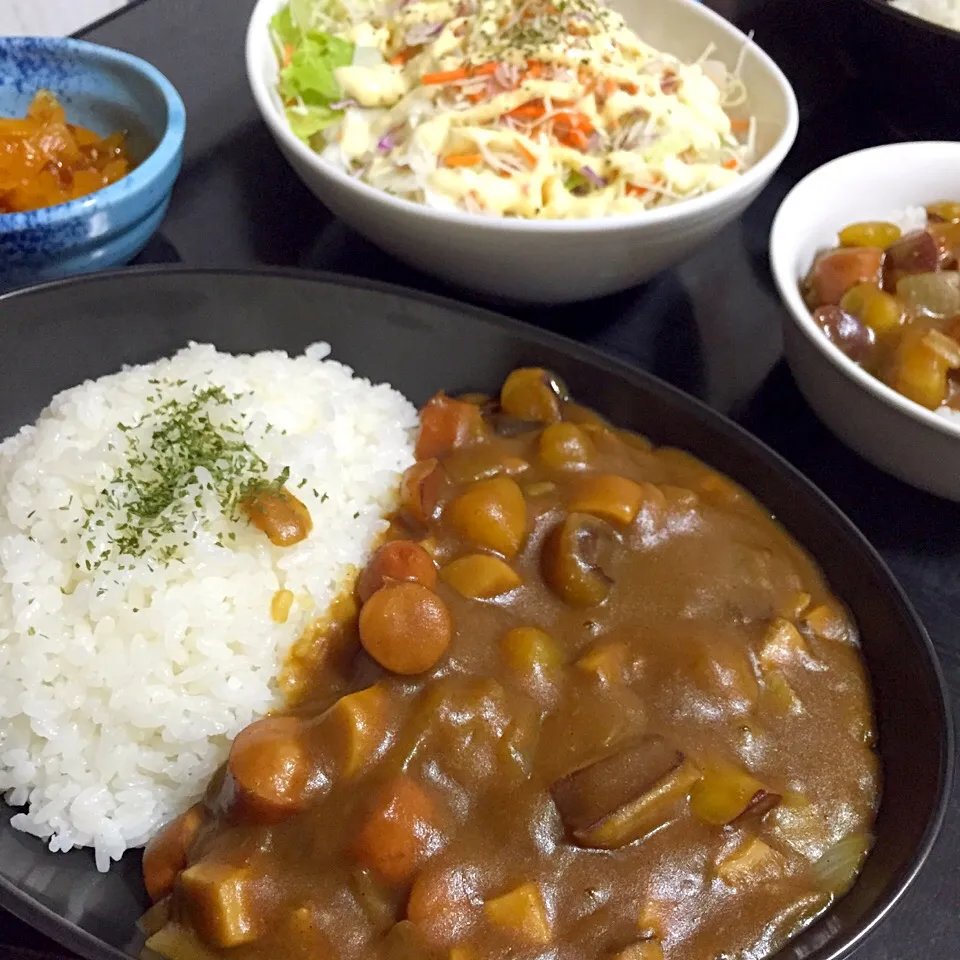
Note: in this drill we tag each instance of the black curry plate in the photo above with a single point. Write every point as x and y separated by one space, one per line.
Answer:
57 335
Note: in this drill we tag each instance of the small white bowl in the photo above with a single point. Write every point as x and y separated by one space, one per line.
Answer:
546 261
892 432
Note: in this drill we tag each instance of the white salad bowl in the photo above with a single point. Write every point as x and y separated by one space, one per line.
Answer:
552 261
892 432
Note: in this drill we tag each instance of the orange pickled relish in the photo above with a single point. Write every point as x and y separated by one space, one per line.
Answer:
45 161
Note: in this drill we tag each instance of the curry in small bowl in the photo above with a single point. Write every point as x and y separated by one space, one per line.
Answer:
587 701
889 299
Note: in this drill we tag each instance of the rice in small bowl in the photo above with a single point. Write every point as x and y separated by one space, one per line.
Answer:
143 620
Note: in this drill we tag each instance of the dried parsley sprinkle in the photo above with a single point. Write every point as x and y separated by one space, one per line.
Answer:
165 448
544 23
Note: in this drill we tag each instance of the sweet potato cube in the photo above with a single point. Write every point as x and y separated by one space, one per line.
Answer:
827 622
725 793
612 498
607 662
641 950
358 721
478 576
752 862
794 605
779 694
530 651
626 795
522 912
724 670
783 644
220 901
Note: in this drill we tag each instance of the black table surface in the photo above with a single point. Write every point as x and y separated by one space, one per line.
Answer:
710 326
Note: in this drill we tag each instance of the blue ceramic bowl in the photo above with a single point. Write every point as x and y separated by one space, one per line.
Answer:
105 90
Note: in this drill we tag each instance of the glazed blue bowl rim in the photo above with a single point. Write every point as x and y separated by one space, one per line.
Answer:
163 154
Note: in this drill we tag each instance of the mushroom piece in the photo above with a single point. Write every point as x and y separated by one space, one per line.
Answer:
915 252
626 795
579 559
532 393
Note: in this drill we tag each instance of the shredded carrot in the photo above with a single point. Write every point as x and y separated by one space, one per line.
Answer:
634 191
739 125
462 159
403 56
287 54
571 134
445 76
533 110
461 73
730 163
609 87
534 71
527 153
577 120
630 88
477 97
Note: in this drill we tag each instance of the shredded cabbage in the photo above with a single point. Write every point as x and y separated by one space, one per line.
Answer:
544 108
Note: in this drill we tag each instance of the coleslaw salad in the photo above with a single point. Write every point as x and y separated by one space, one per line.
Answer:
545 109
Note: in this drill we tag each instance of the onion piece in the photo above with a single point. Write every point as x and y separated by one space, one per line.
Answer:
420 33
944 347
934 294
343 104
593 176
506 75
838 867
387 142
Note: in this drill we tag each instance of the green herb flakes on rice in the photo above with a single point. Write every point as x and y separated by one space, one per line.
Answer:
135 630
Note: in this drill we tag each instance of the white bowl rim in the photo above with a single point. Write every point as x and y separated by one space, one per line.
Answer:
789 285
751 181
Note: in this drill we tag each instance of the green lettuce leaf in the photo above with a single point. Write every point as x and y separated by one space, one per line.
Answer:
575 180
309 75
307 123
308 60
284 31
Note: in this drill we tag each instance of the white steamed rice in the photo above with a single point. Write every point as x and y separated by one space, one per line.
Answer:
120 690
944 12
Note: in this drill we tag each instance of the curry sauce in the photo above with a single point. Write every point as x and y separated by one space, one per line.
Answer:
596 704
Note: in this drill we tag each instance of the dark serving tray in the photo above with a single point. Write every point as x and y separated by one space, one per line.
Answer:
711 326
